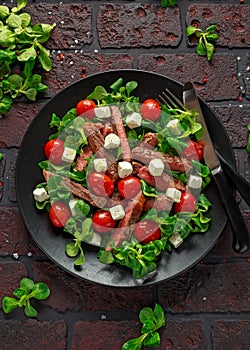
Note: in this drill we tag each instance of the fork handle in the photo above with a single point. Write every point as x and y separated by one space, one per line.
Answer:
241 237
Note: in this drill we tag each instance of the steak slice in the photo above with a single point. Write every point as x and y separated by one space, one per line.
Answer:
149 139
81 161
94 137
162 182
78 190
121 132
125 227
175 163
160 203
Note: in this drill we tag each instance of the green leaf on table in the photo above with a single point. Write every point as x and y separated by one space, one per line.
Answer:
153 340
14 21
201 48
43 58
30 311
190 30
26 54
210 50
21 4
9 304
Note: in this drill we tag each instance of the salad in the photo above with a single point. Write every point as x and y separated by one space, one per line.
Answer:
126 176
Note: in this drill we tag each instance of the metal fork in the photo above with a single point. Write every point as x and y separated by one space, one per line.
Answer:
172 102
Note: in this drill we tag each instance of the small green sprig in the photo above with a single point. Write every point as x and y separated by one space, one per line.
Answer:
151 321
205 46
168 3
248 140
21 44
27 290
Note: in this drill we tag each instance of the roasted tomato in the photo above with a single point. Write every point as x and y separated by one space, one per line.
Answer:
150 109
147 231
194 150
101 184
53 150
187 203
59 214
102 221
85 108
129 187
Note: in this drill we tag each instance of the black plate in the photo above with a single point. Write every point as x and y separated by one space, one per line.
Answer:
28 175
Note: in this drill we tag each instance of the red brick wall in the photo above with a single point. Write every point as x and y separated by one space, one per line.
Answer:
207 307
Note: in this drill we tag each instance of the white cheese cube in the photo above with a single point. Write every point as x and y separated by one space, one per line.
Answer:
134 120
102 112
124 169
112 141
40 194
194 181
175 127
117 212
100 164
176 240
96 240
156 167
72 204
174 194
68 155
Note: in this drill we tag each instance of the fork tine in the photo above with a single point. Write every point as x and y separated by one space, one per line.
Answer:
171 100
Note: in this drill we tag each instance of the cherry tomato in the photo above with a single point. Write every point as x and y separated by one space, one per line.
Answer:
102 221
150 109
194 150
129 187
187 203
101 184
86 108
59 214
147 231
53 150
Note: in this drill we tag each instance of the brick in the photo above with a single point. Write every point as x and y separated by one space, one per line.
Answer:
235 119
230 335
111 334
72 293
73 24
138 25
191 67
233 22
69 69
208 288
11 180
11 273
2 169
32 335
182 335
14 237
16 122
246 76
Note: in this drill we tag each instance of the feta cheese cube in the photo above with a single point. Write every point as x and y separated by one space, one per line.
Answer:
40 194
100 164
156 167
72 204
124 169
176 240
174 194
102 112
68 155
194 181
96 240
134 120
175 127
117 212
112 141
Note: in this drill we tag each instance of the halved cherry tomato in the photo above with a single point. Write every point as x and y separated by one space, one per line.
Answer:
59 214
186 204
53 150
85 108
147 231
129 187
150 109
101 184
102 221
194 150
